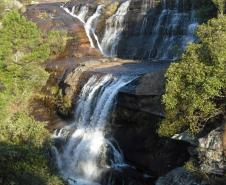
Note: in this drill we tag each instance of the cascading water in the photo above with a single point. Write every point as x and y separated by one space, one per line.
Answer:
84 157
145 7
90 27
90 24
81 15
172 42
164 33
113 31
156 31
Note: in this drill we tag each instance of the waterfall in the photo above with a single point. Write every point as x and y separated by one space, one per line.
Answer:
90 27
84 155
169 36
156 30
81 15
161 33
90 24
113 30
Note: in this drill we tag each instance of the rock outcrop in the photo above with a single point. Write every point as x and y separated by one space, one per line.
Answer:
180 176
133 29
49 17
211 152
53 17
137 115
126 176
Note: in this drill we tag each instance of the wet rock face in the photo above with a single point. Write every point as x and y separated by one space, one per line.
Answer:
180 176
138 29
144 149
211 152
135 121
53 17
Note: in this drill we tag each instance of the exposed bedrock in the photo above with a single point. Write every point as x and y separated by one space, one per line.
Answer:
126 176
134 29
181 176
137 114
51 16
211 151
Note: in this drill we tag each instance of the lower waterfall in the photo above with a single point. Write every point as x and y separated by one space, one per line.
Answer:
86 151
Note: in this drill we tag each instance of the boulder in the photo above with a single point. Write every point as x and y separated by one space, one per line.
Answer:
180 176
211 152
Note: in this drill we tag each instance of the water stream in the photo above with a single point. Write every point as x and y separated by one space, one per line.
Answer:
163 32
87 152
113 30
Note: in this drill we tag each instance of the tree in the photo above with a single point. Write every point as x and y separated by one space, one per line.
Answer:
24 142
195 89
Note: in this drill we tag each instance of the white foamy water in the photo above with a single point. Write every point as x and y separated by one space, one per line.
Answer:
90 27
84 155
173 20
90 24
161 35
113 30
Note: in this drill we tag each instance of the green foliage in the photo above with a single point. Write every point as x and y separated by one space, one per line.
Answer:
2 8
191 166
56 37
21 36
24 158
195 90
6 5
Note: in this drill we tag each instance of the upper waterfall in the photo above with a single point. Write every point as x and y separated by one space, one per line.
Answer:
113 30
84 155
142 30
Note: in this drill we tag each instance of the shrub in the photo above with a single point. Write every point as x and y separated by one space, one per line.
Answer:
195 89
24 142
54 38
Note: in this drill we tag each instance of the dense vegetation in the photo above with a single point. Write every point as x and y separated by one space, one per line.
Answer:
24 157
196 85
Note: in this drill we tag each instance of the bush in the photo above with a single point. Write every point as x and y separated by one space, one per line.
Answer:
195 89
24 156
56 37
